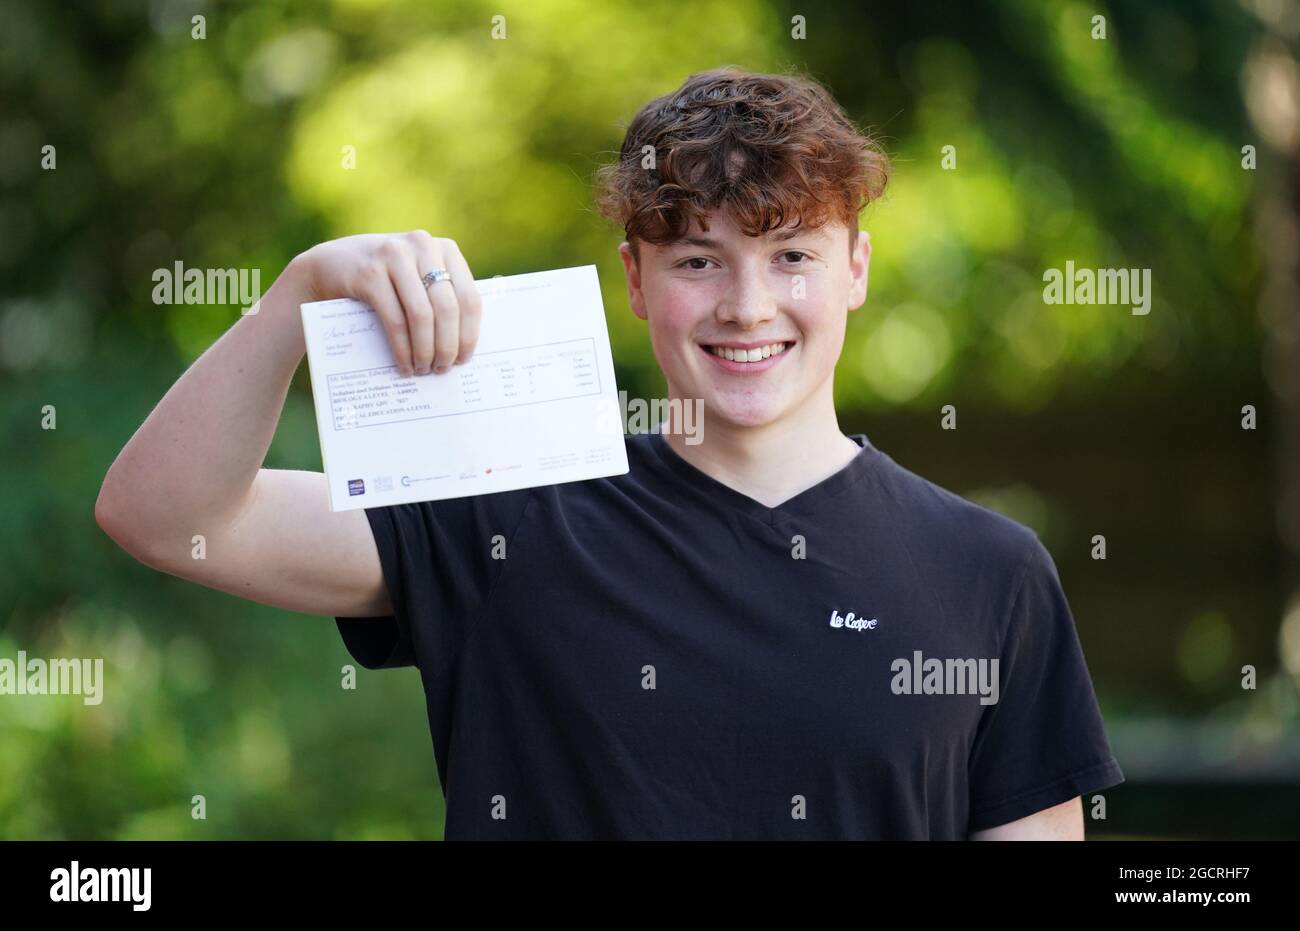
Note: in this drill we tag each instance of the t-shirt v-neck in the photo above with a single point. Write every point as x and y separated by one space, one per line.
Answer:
802 504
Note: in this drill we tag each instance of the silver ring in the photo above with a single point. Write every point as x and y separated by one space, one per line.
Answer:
433 277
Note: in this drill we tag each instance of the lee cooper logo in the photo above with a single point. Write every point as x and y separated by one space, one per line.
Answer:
851 622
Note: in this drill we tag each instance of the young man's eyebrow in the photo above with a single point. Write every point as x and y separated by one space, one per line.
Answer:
705 242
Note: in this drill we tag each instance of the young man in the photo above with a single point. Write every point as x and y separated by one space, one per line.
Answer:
778 632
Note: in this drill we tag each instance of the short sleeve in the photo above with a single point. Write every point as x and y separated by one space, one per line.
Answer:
438 565
1043 742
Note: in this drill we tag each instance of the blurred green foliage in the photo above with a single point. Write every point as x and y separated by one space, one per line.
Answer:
228 152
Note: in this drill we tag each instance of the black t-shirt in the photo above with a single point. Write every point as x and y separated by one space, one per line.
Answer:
657 655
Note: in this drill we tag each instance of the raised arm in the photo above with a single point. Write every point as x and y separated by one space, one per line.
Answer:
194 467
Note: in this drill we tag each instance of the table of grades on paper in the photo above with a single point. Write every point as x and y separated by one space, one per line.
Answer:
530 406
490 380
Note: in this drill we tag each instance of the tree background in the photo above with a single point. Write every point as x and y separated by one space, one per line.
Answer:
1077 420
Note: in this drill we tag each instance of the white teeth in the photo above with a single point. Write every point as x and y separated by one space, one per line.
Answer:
749 355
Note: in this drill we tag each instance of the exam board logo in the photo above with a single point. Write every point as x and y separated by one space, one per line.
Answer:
103 884
356 486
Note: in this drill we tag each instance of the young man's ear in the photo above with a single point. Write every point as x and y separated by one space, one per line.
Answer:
634 296
859 264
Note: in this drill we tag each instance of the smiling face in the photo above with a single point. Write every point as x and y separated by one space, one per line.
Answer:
778 302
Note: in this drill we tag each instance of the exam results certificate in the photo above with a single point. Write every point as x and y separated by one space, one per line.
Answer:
531 407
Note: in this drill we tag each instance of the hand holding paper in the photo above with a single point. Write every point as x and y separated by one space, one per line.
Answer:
525 410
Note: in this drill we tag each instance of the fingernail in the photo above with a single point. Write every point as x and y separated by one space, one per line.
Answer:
440 369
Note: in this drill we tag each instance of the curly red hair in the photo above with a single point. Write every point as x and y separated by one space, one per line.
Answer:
769 149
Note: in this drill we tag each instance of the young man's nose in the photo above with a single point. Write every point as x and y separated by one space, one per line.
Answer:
748 302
